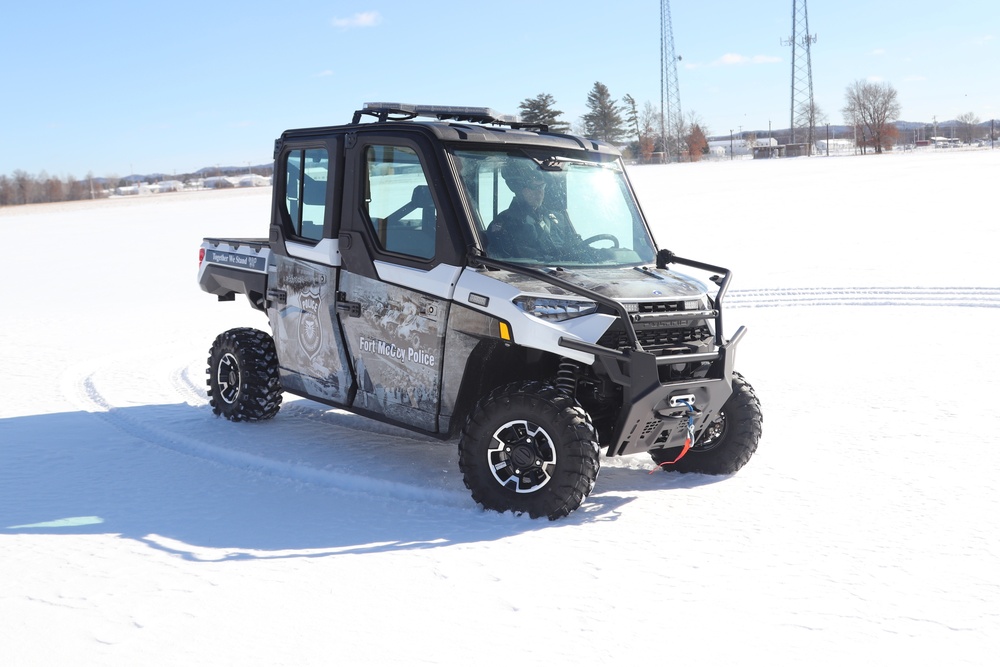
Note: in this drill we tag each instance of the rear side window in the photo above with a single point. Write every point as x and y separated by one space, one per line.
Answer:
398 201
306 175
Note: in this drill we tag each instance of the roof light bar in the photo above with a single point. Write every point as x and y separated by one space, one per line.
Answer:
385 111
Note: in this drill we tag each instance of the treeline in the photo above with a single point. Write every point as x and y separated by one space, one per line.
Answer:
24 188
644 134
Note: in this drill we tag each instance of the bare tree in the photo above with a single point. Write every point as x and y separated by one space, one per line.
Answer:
649 128
967 123
872 108
809 117
676 139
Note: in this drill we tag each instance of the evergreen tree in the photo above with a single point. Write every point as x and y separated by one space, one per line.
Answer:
540 109
604 121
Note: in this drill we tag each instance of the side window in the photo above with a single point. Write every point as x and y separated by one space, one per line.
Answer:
398 201
306 173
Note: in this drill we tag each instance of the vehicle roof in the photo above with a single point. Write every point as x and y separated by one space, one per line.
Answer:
486 131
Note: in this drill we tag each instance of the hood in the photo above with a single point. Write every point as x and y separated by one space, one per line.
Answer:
629 283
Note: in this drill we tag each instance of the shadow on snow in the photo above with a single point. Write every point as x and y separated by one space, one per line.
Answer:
178 479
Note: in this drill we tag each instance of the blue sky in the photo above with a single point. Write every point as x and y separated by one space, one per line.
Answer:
114 88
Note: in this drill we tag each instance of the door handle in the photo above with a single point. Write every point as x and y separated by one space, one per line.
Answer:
279 295
349 308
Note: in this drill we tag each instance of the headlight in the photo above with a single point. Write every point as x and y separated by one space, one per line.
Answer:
554 310
701 304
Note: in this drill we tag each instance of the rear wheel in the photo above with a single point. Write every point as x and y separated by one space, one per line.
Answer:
727 442
243 382
529 448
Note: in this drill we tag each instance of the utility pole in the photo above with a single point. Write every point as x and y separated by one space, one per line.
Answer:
670 96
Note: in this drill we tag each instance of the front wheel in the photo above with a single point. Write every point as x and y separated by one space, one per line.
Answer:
727 442
529 448
243 382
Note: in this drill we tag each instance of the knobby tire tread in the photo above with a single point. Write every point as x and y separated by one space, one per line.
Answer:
578 455
744 423
260 392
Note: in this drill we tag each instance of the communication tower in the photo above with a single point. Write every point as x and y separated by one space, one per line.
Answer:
803 110
671 119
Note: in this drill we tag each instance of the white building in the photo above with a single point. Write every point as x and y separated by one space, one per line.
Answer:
739 146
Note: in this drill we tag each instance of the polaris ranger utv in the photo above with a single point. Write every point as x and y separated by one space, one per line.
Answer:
414 274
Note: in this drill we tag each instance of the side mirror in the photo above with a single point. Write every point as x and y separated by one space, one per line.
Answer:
664 257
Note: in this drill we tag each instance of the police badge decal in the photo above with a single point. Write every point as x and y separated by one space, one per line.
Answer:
310 332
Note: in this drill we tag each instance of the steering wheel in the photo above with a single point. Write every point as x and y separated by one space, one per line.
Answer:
601 237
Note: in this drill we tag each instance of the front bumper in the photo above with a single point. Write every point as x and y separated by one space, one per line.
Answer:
649 418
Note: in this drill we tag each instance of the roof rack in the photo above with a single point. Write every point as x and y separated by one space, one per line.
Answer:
394 111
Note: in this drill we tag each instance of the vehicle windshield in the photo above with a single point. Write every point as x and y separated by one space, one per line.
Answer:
553 210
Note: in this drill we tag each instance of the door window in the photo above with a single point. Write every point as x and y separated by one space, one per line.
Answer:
306 174
398 201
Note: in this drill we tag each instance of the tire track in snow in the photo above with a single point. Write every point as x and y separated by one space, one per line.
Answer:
952 297
81 385
195 394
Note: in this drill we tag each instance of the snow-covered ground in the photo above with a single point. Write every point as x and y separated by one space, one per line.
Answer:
138 529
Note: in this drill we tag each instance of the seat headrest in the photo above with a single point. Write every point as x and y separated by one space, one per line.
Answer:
421 196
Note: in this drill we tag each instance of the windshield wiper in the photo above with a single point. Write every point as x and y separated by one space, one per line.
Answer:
648 272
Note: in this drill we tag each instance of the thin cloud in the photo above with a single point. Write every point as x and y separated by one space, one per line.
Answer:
878 52
359 20
324 73
738 59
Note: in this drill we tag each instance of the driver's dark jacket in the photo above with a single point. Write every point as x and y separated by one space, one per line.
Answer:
521 231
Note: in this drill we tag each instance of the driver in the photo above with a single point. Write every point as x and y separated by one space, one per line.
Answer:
526 229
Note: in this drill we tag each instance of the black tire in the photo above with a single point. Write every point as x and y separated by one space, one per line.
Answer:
243 381
727 443
529 448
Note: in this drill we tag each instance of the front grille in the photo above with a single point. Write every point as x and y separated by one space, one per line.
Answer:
660 306
658 341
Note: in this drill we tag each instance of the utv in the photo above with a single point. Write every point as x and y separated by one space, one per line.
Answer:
479 276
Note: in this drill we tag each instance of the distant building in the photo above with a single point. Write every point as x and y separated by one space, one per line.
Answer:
739 146
823 146
946 142
254 181
219 182
168 186
132 190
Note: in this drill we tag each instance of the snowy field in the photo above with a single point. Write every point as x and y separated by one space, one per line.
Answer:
138 529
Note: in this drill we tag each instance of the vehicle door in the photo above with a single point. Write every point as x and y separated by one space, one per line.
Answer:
302 292
399 272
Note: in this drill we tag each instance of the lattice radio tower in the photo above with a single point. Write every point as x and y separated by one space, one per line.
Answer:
671 118
802 110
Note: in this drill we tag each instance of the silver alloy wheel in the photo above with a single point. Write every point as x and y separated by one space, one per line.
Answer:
713 433
522 458
229 378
